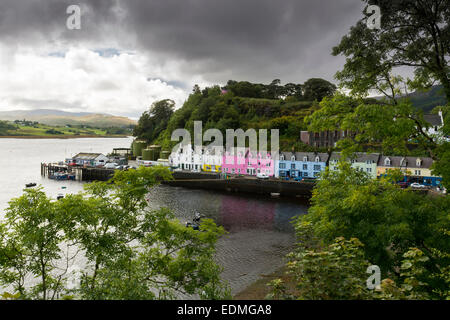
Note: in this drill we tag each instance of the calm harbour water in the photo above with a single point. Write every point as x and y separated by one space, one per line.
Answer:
259 229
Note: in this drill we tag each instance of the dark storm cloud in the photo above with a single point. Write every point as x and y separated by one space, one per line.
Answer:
256 40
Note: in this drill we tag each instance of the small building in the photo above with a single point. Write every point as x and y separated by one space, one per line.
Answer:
415 169
300 164
323 139
260 162
234 161
246 162
88 159
366 162
435 123
185 158
212 159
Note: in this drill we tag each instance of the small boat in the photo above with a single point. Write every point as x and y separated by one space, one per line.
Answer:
195 224
274 195
29 185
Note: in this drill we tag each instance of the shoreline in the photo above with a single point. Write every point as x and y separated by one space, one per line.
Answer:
60 137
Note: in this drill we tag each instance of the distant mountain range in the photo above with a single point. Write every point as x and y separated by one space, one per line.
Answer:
62 118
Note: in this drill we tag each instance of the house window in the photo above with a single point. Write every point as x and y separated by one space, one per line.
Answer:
387 162
293 166
316 167
417 172
293 158
305 159
282 165
232 171
369 170
305 167
317 159
282 157
419 162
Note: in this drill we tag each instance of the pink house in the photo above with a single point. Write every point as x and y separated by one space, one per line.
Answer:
247 162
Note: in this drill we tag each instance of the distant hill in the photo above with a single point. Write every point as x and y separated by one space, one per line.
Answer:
62 118
427 101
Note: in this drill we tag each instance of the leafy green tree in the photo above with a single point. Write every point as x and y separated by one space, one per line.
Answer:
336 272
31 247
387 219
380 127
128 252
317 89
413 34
154 121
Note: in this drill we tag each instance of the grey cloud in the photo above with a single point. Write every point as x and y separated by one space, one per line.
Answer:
256 40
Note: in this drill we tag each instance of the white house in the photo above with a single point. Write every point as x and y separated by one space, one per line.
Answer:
186 159
436 122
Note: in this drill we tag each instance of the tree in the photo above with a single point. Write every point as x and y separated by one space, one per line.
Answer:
293 90
381 127
387 219
413 34
128 251
154 121
336 272
31 246
317 89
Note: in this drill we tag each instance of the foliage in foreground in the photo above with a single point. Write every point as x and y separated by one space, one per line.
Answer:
105 244
403 232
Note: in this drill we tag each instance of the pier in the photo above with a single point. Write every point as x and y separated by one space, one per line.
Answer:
79 173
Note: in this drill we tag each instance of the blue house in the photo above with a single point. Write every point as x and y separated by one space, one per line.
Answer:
300 164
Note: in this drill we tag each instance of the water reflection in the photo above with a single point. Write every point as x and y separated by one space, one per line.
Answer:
234 212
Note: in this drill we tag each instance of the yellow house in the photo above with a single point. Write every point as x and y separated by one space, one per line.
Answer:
211 168
212 160
416 169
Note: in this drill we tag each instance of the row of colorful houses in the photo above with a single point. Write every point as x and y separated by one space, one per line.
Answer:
298 165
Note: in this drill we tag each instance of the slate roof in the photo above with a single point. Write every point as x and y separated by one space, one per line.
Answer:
408 162
323 157
87 156
359 156
433 119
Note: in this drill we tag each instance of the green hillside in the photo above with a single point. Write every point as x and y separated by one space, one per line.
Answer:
62 118
239 105
428 100
248 105
21 128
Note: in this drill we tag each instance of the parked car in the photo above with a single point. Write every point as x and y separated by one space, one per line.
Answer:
110 165
262 176
417 185
403 185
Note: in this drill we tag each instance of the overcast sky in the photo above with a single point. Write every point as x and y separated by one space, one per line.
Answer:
130 53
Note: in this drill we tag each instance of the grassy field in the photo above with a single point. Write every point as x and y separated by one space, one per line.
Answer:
46 131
